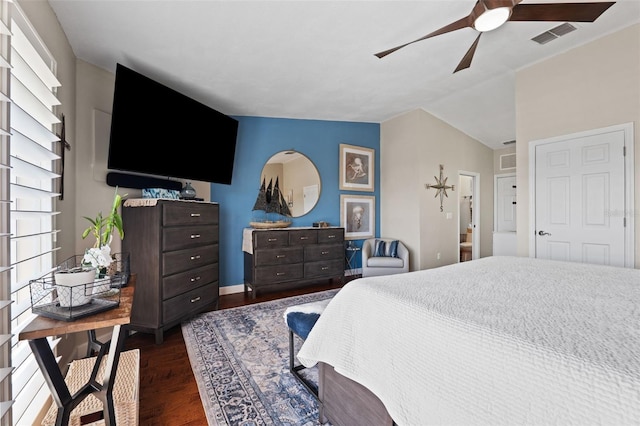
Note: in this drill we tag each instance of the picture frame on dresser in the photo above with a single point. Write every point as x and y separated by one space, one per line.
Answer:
358 216
357 168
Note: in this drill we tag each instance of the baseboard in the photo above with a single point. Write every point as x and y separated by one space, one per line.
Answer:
231 289
351 272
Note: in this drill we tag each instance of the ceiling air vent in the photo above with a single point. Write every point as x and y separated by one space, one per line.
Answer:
554 33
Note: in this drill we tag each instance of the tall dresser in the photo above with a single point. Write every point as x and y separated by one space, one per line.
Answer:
173 246
276 259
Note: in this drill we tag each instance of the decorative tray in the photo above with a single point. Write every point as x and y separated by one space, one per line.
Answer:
270 224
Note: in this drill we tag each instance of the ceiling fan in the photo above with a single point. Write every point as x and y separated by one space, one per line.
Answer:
488 15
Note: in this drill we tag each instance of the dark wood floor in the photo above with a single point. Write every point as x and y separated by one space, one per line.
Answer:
168 390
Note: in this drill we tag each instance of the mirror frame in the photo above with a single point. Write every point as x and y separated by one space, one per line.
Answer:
294 196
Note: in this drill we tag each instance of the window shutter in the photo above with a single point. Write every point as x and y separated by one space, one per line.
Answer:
28 102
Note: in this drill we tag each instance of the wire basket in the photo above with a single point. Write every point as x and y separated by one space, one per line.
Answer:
74 291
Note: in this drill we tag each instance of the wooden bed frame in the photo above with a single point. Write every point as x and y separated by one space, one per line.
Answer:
344 402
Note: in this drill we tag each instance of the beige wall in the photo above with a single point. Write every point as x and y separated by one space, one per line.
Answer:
590 87
412 147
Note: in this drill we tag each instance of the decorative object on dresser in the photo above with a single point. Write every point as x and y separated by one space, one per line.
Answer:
188 192
271 201
174 251
276 259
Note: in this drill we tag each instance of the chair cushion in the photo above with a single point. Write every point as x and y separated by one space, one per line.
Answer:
386 248
385 262
301 318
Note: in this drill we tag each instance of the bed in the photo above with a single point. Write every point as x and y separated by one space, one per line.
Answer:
497 341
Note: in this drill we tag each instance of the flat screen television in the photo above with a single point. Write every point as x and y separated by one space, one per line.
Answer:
155 130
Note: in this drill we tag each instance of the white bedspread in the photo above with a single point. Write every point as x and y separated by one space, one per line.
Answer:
495 341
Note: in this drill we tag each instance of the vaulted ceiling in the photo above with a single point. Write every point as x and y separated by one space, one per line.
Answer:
315 59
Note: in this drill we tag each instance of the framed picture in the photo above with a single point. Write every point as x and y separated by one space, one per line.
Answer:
357 168
358 216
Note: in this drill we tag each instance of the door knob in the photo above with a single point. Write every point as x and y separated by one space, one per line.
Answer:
542 233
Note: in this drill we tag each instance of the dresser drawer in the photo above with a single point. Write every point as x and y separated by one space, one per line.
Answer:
328 268
184 260
188 214
179 283
303 237
330 236
270 239
188 236
279 273
192 301
278 256
323 252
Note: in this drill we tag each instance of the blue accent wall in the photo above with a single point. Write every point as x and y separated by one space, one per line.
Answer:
258 139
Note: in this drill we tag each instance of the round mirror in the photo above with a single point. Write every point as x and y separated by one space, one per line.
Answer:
298 180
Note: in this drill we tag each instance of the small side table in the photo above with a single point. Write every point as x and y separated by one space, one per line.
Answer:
40 328
350 257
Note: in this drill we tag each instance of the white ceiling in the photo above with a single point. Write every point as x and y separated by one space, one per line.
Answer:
315 59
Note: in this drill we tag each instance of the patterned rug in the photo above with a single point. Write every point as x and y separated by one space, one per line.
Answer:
240 359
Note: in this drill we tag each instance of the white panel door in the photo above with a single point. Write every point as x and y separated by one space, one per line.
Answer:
580 199
505 203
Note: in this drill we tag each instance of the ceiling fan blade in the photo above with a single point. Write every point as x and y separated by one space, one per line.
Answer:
466 60
571 12
457 25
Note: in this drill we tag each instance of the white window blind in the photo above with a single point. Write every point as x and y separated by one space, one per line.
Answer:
28 242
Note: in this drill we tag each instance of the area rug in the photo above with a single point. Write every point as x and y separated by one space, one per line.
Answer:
240 359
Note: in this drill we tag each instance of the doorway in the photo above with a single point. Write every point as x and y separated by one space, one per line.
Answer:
581 196
468 216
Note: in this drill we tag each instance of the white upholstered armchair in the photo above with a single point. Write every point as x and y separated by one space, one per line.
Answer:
373 265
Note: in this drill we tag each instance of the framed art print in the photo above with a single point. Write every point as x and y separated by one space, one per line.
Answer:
358 216
357 168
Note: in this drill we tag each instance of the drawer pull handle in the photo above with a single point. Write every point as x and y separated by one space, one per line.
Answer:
281 256
304 238
193 236
324 268
272 240
331 236
324 252
196 257
195 215
195 299
279 274
194 279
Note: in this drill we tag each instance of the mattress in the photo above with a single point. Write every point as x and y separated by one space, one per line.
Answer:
496 341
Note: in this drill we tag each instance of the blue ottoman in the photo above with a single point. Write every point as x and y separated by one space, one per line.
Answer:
300 319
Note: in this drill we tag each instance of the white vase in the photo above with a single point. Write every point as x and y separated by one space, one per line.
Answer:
74 287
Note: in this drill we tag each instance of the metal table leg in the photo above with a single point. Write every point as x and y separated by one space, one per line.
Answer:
60 391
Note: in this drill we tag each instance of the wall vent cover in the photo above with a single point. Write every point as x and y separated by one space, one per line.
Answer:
554 33
507 161
563 29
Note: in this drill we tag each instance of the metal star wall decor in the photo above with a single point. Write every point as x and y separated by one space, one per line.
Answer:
441 186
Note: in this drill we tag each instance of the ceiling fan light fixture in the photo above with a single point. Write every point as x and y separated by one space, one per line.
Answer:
491 19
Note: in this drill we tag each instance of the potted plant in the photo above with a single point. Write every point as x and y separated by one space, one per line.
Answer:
102 228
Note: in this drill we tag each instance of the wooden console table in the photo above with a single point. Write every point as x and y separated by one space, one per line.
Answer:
41 328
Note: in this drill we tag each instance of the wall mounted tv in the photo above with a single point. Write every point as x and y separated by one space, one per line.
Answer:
158 131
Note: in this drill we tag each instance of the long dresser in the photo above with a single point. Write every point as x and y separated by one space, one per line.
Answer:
173 246
277 259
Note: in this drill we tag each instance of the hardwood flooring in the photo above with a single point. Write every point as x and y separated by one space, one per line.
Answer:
168 390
